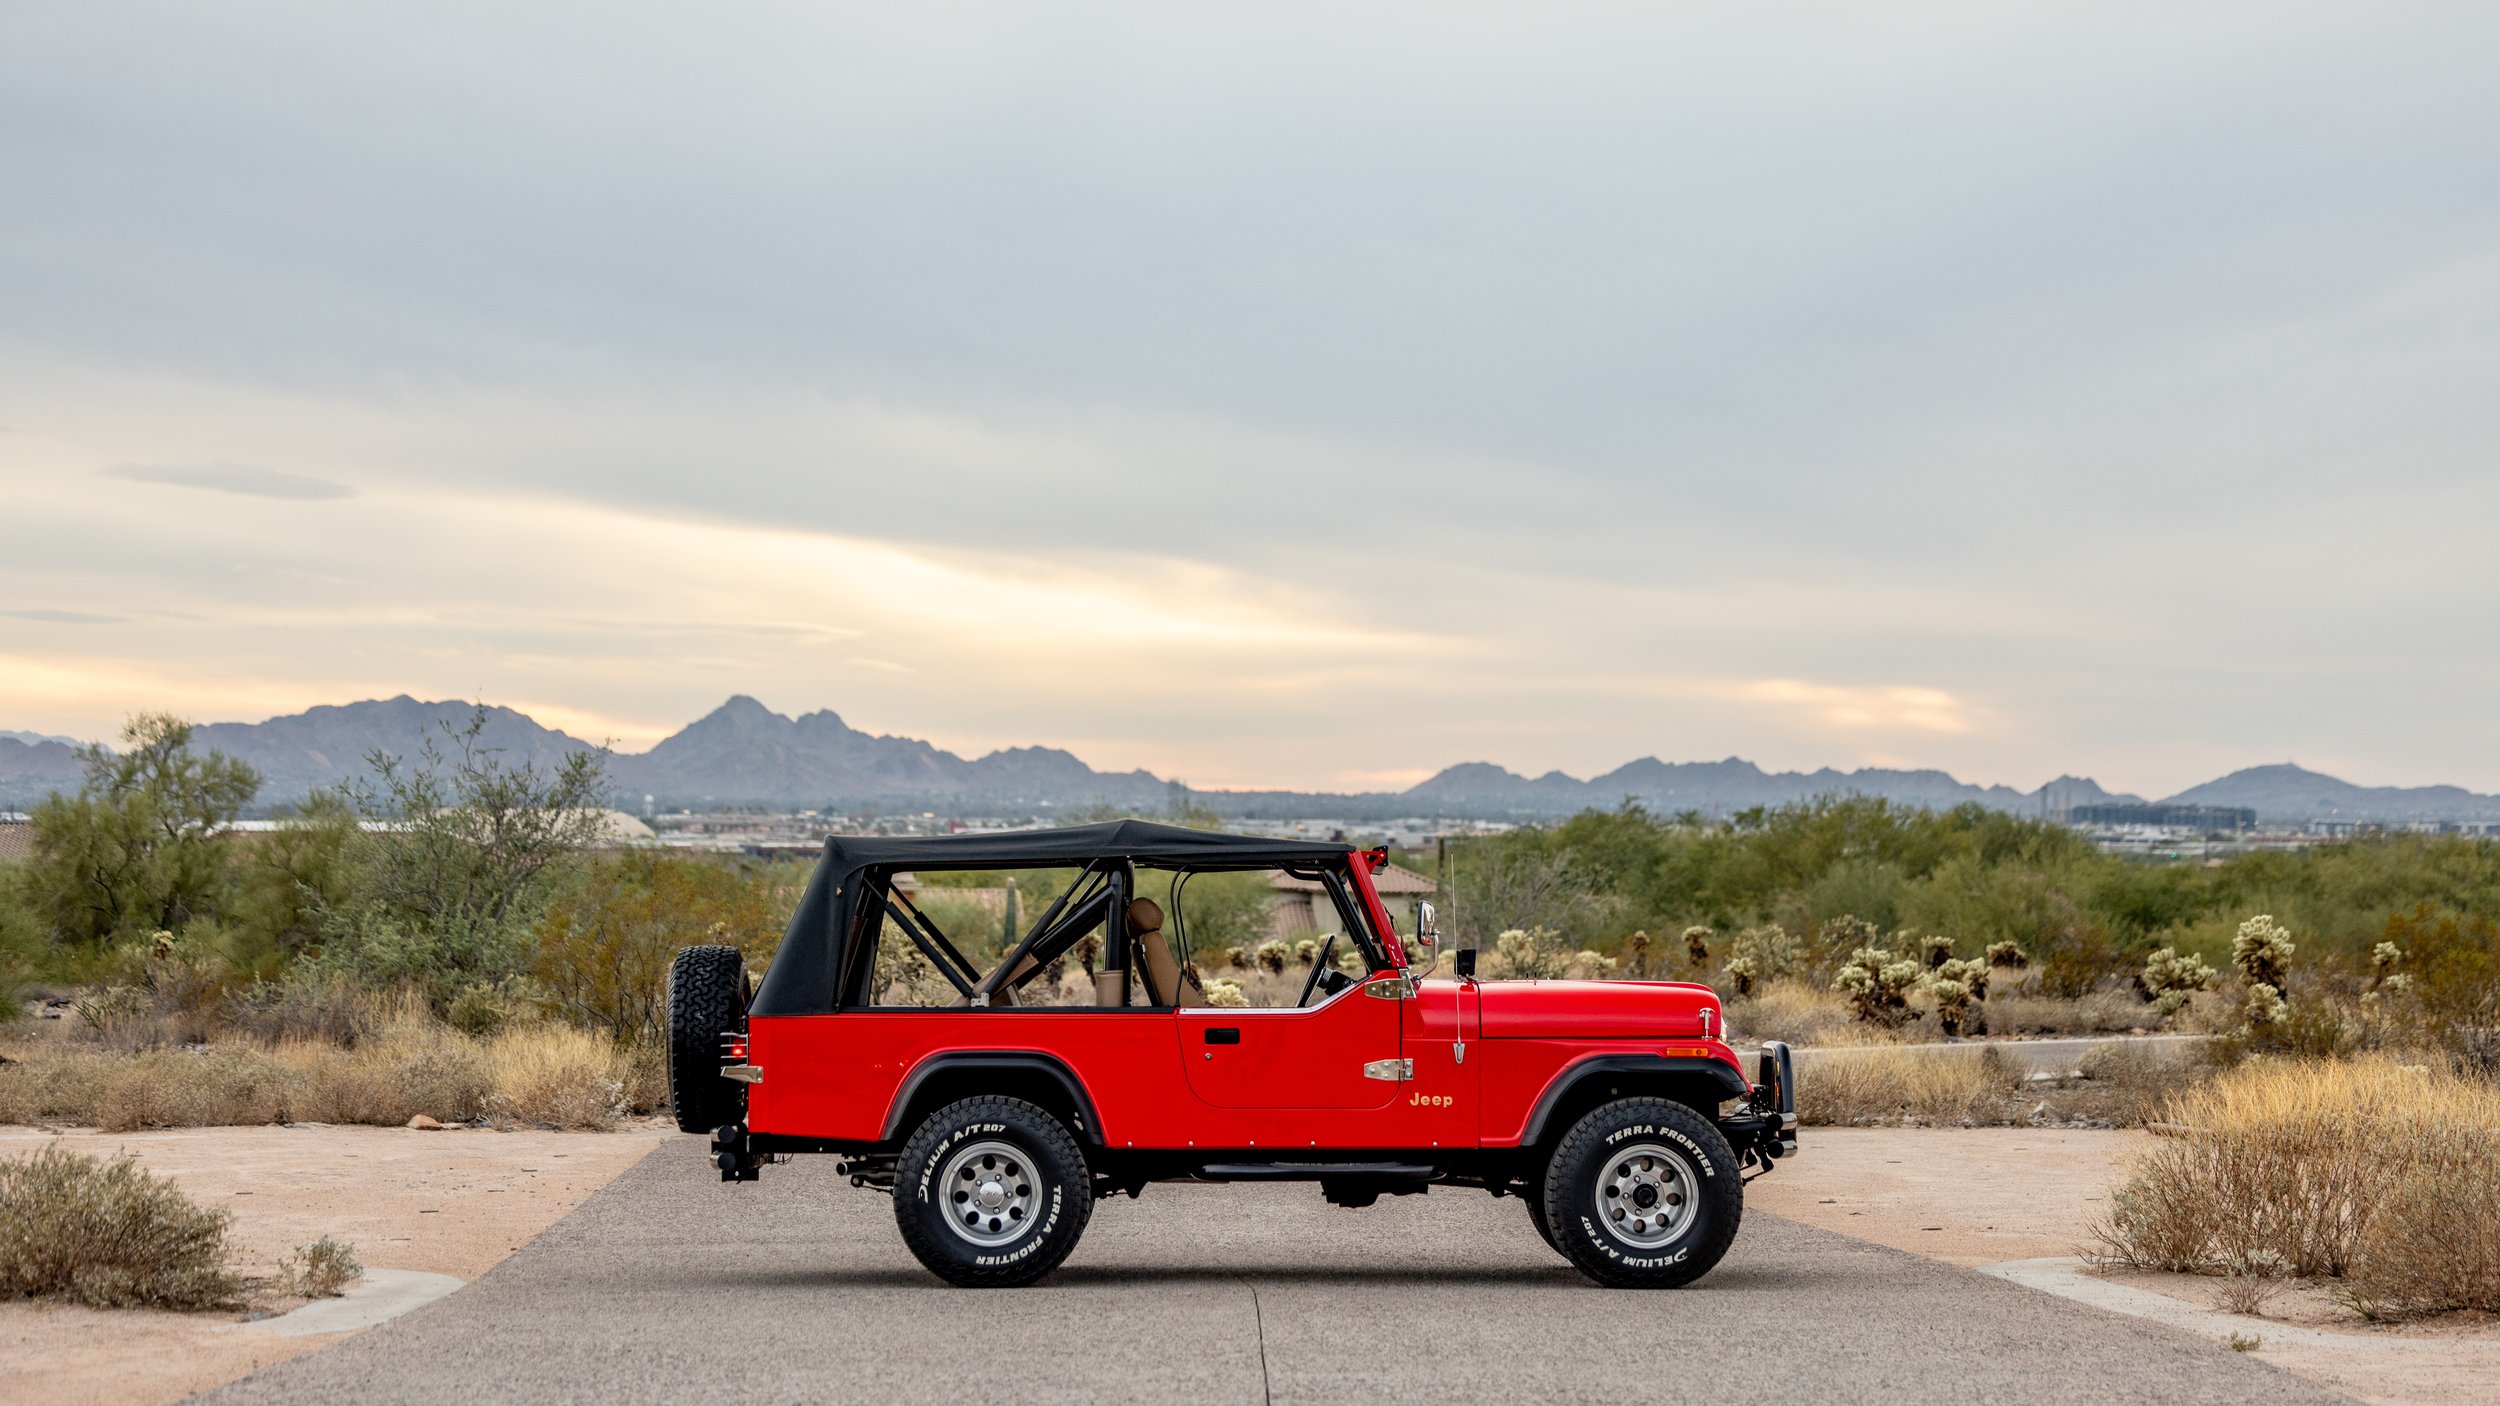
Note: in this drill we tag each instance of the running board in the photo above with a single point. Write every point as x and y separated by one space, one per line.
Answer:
1314 1171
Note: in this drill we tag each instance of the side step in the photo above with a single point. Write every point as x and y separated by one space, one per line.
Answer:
1314 1171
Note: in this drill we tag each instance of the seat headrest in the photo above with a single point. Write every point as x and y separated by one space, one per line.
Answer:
1145 915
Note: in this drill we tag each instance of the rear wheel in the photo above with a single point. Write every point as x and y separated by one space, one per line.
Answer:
992 1193
707 998
1643 1193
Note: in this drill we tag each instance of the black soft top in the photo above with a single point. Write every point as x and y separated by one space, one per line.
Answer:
805 972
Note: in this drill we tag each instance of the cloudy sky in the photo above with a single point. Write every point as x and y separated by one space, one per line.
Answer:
1311 397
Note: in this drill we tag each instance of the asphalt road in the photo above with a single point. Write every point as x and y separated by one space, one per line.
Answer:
670 1287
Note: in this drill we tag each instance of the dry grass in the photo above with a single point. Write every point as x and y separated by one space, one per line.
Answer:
557 1076
2094 1013
1804 1015
539 1075
107 1234
1874 1085
2369 1169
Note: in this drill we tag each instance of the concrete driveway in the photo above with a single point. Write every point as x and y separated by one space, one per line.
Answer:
670 1287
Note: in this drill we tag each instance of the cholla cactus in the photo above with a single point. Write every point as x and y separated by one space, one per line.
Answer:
1936 948
1639 943
2265 1007
1953 1003
2263 952
2383 960
1697 946
1849 930
1589 963
1221 992
1530 953
1740 970
1236 958
2170 977
1878 983
1970 972
1304 951
2007 954
1272 956
1768 951
1086 950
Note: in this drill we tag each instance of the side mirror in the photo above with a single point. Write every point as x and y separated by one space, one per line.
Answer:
1424 949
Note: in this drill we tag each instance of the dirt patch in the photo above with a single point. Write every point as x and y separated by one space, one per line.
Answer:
1967 1196
450 1202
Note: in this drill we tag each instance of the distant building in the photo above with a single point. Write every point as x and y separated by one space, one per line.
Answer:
2166 817
17 838
1302 907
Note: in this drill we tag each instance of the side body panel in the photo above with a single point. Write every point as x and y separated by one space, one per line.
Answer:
1292 1058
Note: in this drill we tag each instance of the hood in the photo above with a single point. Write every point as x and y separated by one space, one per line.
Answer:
1565 1010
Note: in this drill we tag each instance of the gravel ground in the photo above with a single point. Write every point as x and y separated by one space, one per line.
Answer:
669 1287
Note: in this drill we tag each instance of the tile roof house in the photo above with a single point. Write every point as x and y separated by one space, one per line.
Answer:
1302 909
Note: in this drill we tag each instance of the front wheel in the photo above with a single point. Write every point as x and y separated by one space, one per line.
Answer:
992 1193
1643 1193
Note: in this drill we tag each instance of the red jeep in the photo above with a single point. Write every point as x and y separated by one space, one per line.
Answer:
997 1100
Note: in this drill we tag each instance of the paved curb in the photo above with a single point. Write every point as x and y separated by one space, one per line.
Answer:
379 1297
2064 1276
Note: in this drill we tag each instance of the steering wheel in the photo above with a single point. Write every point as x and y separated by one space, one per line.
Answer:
1319 963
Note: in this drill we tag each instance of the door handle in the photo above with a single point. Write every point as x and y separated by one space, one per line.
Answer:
1223 1035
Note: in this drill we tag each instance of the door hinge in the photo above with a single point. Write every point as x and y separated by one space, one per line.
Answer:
1393 1070
744 1073
1391 988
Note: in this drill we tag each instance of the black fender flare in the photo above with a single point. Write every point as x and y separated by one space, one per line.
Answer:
1730 1083
993 1061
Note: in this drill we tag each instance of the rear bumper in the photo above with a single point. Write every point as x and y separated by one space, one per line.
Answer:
1765 1129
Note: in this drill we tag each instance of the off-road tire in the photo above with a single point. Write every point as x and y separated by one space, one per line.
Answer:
1062 1192
707 997
1534 1196
1708 1170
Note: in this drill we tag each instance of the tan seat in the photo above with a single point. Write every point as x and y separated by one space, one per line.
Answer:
1167 982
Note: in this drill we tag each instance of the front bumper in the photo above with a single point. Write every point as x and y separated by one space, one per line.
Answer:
1765 1129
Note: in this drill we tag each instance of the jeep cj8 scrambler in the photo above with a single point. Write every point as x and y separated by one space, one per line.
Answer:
996 1101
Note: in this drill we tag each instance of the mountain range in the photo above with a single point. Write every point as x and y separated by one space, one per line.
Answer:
743 753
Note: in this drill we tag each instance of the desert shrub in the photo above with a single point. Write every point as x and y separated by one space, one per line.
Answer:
310 1005
606 941
1874 1085
2295 1167
320 1270
107 1234
1766 953
477 846
2434 1244
137 849
557 1076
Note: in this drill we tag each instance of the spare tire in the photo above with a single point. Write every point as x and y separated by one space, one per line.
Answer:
707 998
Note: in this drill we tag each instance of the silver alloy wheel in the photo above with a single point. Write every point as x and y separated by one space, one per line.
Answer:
1646 1194
989 1191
